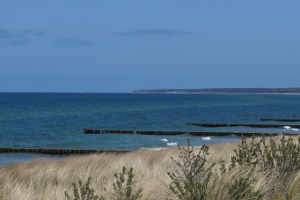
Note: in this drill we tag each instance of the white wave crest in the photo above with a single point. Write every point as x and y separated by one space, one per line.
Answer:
286 127
206 138
172 144
164 140
153 149
295 129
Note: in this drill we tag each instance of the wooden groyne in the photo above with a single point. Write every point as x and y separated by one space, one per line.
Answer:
119 131
207 133
92 131
161 132
208 124
246 125
246 134
197 133
241 134
204 133
280 120
100 131
57 151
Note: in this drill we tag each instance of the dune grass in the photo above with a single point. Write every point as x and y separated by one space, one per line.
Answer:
45 179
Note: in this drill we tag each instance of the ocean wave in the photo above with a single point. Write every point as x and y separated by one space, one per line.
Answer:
206 138
153 149
172 144
164 140
286 127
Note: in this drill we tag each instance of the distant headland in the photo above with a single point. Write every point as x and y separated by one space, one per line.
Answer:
223 91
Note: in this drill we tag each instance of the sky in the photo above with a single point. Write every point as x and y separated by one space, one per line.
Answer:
121 46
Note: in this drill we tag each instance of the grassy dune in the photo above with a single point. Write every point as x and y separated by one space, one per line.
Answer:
48 179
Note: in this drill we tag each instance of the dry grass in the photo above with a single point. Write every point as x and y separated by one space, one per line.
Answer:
48 179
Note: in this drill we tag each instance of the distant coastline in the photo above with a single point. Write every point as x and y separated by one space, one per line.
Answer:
222 91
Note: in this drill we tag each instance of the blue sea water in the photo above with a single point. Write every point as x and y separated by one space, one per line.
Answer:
57 120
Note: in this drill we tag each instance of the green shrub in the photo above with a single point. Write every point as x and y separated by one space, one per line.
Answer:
239 182
82 191
242 187
124 189
191 178
279 160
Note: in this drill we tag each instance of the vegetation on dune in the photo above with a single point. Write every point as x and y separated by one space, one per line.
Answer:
258 168
191 177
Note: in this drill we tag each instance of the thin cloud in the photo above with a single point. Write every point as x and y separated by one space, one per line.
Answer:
154 32
6 34
30 32
74 42
22 37
22 41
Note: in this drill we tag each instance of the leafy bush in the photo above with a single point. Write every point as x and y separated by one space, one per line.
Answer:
242 187
82 191
279 160
126 192
191 178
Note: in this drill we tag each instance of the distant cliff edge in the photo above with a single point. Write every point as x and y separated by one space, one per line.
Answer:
225 91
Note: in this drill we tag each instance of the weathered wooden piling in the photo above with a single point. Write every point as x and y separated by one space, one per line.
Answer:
246 134
250 134
208 124
265 125
246 125
160 132
205 133
281 120
92 131
99 131
119 131
56 151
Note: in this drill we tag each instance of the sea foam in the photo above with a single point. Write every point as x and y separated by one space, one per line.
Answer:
172 144
164 140
153 149
206 138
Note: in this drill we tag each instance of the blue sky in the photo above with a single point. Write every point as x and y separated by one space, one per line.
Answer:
120 46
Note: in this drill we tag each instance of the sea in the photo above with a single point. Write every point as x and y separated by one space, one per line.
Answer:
57 120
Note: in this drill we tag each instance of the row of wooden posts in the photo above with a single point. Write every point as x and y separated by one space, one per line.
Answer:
197 133
280 120
56 151
246 125
201 133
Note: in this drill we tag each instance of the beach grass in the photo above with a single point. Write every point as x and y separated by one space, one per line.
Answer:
47 179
